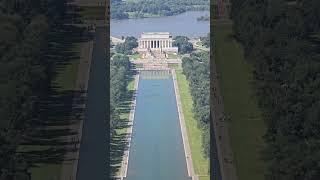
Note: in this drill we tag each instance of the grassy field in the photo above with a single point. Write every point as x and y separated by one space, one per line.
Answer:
67 76
65 80
246 123
125 114
135 56
173 56
200 163
49 170
92 13
121 131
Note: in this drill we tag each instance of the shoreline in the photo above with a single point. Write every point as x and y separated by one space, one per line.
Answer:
187 149
125 156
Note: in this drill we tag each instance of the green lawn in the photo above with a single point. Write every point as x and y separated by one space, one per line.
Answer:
135 56
67 73
125 115
65 80
48 170
122 130
173 56
246 125
92 13
175 66
200 163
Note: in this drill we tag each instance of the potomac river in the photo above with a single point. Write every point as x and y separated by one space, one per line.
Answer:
184 24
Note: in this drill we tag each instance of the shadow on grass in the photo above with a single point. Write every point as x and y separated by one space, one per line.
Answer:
119 141
49 135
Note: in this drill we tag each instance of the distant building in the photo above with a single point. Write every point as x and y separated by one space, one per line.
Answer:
156 42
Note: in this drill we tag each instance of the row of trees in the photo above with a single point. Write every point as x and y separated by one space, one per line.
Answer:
119 78
196 68
128 45
281 39
120 9
183 44
25 28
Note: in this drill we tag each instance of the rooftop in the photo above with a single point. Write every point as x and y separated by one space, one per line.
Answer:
155 35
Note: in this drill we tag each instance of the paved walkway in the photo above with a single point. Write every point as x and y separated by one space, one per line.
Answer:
184 134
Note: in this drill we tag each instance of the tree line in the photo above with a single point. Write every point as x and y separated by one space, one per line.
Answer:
196 68
127 46
183 44
120 74
35 44
281 39
120 9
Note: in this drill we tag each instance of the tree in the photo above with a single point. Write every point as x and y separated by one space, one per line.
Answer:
196 70
128 45
183 45
280 39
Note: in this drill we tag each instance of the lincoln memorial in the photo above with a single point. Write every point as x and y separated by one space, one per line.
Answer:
156 41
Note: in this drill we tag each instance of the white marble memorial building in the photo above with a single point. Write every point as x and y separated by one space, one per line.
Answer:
156 41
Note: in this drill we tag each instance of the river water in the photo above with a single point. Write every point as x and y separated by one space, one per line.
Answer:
156 151
183 24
